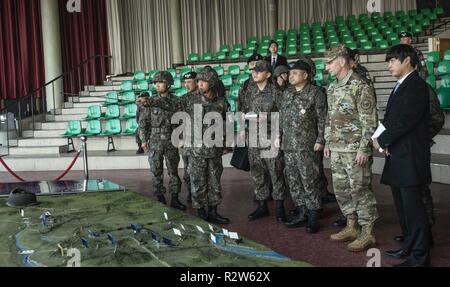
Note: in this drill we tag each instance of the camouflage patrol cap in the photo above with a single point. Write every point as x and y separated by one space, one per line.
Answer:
280 70
336 52
144 95
301 65
311 64
190 76
255 58
209 76
163 76
263 66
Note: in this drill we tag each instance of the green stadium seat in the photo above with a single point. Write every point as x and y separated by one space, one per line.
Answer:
207 56
388 14
412 13
113 127
129 98
434 57
234 55
112 98
173 72
221 56
94 113
112 112
234 70
377 38
263 51
447 55
238 47
291 51
251 46
352 45
94 128
193 57
430 68
220 70
130 127
247 70
181 92
375 15
339 19
305 50
438 10
234 93
320 65
184 71
242 78
319 77
444 97
248 53
444 67
383 44
126 86
400 14
266 40
139 76
304 27
445 81
351 18
293 32
425 11
432 16
152 74
279 33
252 41
366 45
224 48
176 83
129 111
142 86
227 80
431 80
73 129
320 48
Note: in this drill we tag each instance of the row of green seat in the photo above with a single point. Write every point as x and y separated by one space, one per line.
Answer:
443 72
112 112
94 128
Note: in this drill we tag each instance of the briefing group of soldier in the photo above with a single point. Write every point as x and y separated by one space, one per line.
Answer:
337 123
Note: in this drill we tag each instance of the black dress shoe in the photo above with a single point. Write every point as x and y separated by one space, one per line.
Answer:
408 263
400 254
341 222
399 238
161 198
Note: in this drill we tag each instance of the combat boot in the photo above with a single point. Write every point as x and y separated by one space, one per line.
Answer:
261 211
365 240
175 203
349 233
216 218
189 196
279 211
201 213
299 219
161 198
313 221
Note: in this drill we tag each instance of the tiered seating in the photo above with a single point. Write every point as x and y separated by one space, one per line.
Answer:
443 73
369 33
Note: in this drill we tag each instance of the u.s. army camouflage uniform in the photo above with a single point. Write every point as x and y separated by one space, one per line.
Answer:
422 66
155 129
352 120
303 116
205 163
256 101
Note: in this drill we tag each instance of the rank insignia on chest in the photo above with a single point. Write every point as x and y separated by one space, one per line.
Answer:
303 111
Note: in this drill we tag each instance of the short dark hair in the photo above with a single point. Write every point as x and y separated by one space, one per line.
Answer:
274 42
401 52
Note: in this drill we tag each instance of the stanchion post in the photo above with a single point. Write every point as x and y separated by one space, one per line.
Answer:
85 163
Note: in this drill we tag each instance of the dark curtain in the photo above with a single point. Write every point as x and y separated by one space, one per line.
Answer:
84 35
21 50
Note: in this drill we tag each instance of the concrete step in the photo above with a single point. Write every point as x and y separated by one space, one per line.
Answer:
33 151
91 99
383 79
47 133
63 125
387 85
42 142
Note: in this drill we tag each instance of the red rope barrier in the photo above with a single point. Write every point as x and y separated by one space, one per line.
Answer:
70 167
10 171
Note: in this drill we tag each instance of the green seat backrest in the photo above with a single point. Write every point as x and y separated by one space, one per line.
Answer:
181 92
173 72
130 97
383 44
431 80
142 85
412 13
94 127
248 53
252 41
433 57
233 105
220 70
111 98
447 55
234 70
94 112
238 47
234 93
444 67
235 55
73 128
126 86
184 71
291 51
227 80
131 126
176 83
221 55
130 111
207 56
152 74
224 48
439 10
242 78
444 97
320 65
445 81
193 57
320 48
139 76
113 126
112 111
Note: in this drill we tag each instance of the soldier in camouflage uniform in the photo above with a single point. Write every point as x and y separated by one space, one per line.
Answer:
281 77
205 165
155 131
352 120
407 38
140 107
322 184
303 115
261 97
190 83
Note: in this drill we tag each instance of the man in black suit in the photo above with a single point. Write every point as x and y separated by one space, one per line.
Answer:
274 59
406 143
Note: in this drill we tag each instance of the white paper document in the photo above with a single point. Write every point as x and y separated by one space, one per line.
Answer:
380 130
